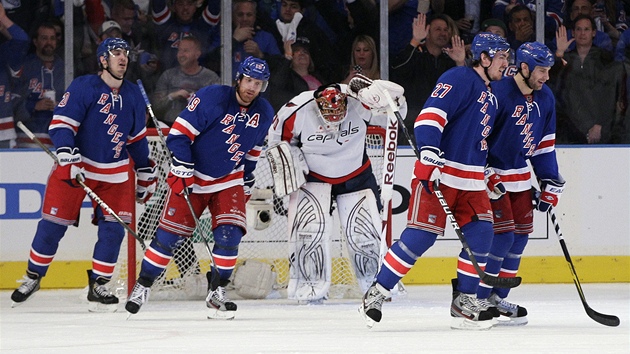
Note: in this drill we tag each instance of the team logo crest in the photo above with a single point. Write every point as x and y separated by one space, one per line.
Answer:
171 211
432 218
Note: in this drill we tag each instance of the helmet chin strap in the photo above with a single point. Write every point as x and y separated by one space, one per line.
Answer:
114 76
526 79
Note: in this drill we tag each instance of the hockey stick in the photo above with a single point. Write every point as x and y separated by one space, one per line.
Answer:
490 280
214 279
606 320
87 189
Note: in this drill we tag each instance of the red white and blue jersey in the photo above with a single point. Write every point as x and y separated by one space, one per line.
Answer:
220 137
457 117
525 129
107 125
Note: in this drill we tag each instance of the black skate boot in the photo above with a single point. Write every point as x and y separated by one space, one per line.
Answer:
372 304
483 303
515 315
30 284
100 299
220 307
139 295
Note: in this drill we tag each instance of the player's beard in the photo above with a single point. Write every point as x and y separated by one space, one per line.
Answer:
247 96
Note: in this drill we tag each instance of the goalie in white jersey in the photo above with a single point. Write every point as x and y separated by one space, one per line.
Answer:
323 133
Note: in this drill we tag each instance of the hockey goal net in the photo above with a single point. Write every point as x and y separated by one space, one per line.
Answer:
184 278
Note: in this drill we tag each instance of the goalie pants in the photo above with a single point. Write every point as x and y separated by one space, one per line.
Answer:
227 208
61 207
513 222
426 220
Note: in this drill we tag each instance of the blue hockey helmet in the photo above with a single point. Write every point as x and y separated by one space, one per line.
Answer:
256 69
534 54
488 42
110 44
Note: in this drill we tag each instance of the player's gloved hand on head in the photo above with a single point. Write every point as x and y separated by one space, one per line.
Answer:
147 181
494 185
68 160
550 194
180 176
374 96
429 169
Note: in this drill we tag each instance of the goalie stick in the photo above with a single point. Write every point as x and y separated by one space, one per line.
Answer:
215 272
87 189
606 320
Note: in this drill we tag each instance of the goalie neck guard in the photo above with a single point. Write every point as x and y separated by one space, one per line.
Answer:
332 105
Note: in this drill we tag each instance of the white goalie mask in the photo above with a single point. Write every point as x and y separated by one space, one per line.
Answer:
332 105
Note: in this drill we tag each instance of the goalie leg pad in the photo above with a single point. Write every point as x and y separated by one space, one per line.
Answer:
361 222
288 167
310 231
254 279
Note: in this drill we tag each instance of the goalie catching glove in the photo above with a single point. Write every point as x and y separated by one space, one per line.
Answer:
147 180
429 169
68 160
372 93
180 176
494 185
550 195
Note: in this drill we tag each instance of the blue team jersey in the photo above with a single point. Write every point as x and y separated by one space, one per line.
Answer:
457 117
105 124
220 137
525 129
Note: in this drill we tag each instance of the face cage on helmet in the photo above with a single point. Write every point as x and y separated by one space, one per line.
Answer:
332 116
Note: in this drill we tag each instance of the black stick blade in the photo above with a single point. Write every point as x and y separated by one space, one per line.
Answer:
499 282
606 320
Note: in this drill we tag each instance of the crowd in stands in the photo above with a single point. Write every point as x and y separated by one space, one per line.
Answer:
176 49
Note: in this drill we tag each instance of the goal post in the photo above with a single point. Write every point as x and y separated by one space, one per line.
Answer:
184 278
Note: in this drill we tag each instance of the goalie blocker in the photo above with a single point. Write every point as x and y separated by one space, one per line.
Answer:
288 167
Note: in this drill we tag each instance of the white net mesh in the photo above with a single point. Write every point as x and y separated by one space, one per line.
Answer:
184 278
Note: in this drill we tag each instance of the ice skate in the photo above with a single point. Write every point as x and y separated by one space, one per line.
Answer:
372 302
219 306
482 303
30 284
100 299
139 295
511 314
468 314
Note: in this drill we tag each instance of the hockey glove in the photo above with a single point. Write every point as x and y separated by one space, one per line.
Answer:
429 169
147 180
551 191
494 186
180 176
248 185
374 97
68 159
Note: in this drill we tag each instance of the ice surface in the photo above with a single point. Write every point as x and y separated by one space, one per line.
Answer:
57 321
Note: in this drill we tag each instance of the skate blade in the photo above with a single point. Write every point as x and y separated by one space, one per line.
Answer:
214 314
369 323
509 321
101 308
469 325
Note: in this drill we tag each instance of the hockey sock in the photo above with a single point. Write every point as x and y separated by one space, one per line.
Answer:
403 254
225 250
512 261
110 236
478 235
44 246
159 253
501 244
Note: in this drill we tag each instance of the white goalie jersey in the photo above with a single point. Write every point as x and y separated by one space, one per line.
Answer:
332 156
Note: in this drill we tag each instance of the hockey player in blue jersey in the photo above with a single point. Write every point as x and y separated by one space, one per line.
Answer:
525 129
96 127
451 133
215 143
